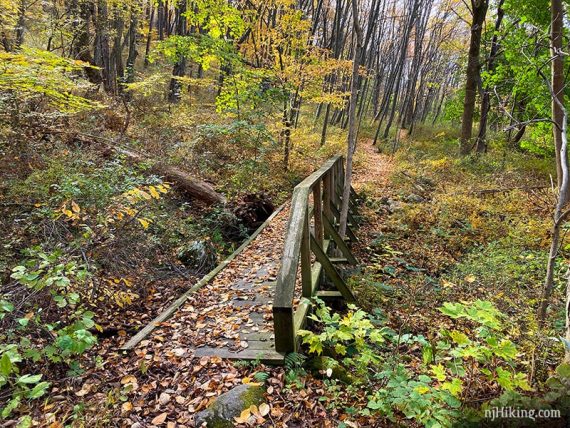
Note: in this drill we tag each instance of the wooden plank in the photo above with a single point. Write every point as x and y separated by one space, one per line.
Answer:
306 260
349 231
257 335
265 356
287 275
329 294
338 260
285 340
169 311
318 213
301 314
327 208
352 206
319 174
331 271
339 241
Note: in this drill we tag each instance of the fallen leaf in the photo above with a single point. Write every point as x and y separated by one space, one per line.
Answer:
164 398
243 417
159 420
264 409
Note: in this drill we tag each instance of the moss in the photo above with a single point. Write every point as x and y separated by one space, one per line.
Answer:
252 396
220 413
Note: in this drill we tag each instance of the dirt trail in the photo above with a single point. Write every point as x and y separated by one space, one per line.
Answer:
374 169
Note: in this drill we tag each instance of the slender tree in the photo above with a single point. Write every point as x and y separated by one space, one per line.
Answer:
559 121
472 75
352 125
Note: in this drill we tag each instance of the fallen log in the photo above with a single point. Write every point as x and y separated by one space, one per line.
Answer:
190 185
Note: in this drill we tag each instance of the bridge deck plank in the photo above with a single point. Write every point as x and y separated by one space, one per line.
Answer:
231 317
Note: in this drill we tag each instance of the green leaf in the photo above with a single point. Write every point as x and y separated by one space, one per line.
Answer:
563 370
506 350
5 365
459 338
28 379
25 422
454 387
12 404
439 372
453 310
38 390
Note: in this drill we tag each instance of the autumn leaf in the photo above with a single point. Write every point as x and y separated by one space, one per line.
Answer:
264 409
153 192
243 417
159 420
144 222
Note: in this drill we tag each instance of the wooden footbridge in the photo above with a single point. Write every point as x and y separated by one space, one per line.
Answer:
251 306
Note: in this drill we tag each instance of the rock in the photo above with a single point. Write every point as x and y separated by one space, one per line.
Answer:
226 407
198 255
394 206
414 199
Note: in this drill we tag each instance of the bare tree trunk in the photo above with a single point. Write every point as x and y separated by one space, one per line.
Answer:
108 69
352 129
481 144
559 117
21 24
179 69
557 71
149 35
132 39
479 8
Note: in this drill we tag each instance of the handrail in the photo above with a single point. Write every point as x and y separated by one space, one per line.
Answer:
300 242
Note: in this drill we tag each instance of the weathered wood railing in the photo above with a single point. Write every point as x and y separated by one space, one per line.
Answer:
311 236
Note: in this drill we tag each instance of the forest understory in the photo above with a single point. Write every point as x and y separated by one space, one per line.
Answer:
142 142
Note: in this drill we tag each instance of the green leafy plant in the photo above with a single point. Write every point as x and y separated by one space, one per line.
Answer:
60 279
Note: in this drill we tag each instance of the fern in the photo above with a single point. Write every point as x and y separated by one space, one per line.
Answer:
294 360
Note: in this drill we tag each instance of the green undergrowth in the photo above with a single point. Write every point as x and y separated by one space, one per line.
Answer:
457 230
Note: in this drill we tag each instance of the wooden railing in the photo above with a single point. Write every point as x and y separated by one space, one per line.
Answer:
311 240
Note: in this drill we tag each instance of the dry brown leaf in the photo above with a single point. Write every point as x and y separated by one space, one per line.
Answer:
159 420
264 409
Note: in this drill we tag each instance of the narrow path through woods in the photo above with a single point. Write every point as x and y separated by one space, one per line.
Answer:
232 314
374 169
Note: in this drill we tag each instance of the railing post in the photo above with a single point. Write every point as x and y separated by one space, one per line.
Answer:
318 213
284 330
327 195
307 286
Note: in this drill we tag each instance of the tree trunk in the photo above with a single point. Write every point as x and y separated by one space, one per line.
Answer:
103 59
559 118
191 185
481 144
149 35
132 56
479 8
557 71
175 88
352 129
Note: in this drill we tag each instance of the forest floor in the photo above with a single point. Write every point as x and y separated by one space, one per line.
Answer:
429 236
163 382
